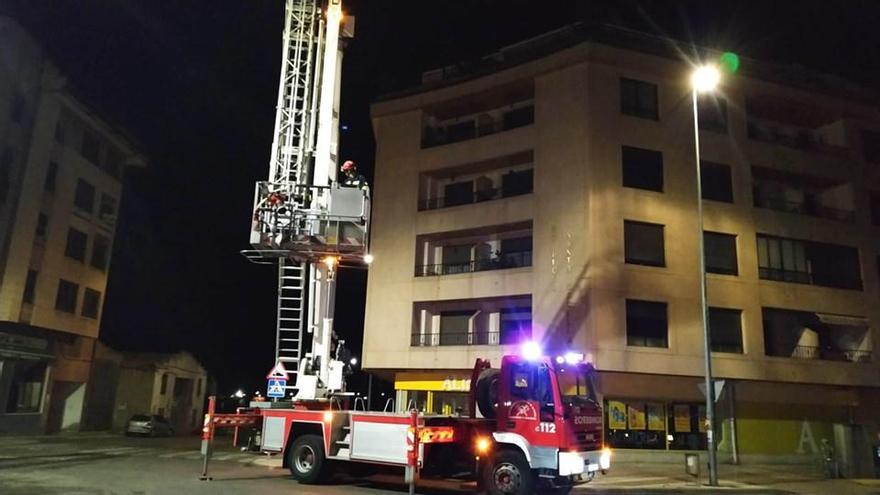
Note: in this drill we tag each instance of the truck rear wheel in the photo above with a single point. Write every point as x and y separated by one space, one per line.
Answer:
306 459
508 473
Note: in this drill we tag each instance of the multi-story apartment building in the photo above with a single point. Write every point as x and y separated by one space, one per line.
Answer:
550 194
61 168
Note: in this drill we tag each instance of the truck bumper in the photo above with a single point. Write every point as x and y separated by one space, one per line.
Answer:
575 463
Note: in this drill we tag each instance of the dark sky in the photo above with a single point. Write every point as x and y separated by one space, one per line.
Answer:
196 82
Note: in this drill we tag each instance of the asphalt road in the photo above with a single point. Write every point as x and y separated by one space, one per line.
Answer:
104 464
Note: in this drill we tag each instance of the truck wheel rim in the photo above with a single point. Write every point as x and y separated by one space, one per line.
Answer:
507 478
305 460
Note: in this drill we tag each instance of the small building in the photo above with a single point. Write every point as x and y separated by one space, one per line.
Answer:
125 384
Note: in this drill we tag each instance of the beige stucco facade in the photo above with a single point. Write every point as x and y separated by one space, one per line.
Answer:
61 168
578 279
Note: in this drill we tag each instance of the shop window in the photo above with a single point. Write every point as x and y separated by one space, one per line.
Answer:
687 427
642 169
638 98
643 243
720 251
450 403
635 424
26 386
715 182
646 324
725 327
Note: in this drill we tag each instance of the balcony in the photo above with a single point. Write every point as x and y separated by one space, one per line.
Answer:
795 124
485 321
816 336
470 190
807 262
476 126
496 247
802 195
501 262
831 354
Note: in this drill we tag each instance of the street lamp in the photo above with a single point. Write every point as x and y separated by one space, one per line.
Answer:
703 80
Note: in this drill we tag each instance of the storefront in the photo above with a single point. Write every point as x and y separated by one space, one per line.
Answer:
24 375
433 392
635 424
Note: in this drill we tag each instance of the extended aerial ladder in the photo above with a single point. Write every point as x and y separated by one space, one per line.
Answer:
303 220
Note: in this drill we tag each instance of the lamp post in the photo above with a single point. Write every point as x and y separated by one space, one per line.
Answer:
705 79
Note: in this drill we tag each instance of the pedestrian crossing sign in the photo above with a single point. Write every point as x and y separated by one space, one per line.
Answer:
276 388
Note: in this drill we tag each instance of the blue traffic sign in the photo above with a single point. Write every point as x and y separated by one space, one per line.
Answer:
276 388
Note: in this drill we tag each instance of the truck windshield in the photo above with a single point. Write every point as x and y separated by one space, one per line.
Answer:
576 384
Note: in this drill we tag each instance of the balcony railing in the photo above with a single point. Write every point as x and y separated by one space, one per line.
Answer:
504 261
441 338
830 354
792 137
476 127
803 208
474 197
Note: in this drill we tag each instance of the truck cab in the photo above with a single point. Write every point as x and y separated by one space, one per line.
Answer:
548 422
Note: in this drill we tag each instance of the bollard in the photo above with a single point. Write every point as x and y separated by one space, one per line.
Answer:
412 451
207 436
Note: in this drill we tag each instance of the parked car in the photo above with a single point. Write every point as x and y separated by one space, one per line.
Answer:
151 425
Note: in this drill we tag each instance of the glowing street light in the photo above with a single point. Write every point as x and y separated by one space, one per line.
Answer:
705 78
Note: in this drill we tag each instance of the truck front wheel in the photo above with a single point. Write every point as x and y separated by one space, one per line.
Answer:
306 459
508 473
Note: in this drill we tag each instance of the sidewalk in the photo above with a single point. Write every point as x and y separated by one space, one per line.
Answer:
753 478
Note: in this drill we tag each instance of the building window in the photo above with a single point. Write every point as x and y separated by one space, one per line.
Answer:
199 388
18 105
6 160
712 113
720 250
454 327
84 198
806 262
642 169
874 199
715 181
91 147
871 146
638 98
725 328
516 325
100 252
517 183
646 324
26 386
30 287
107 208
91 303
68 293
42 227
459 193
76 245
163 386
51 177
643 243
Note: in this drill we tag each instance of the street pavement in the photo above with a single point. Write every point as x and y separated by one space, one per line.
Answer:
105 464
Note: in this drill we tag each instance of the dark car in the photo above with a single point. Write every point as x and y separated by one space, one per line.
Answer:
150 425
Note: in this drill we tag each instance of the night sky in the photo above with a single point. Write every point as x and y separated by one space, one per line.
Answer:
196 83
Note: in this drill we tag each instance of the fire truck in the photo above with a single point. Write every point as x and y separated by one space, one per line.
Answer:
534 422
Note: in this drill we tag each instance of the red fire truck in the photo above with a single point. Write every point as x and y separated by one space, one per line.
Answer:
535 425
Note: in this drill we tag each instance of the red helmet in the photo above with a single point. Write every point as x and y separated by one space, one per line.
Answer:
348 165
